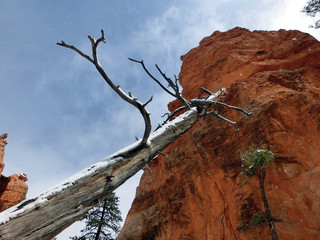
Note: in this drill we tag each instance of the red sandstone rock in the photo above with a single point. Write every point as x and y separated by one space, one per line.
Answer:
3 143
193 194
13 188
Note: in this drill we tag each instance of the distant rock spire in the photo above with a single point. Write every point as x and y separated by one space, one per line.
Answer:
13 188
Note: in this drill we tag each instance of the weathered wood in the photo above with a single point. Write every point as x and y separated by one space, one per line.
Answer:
126 97
51 212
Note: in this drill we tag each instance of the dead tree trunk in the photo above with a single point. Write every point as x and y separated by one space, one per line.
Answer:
48 214
45 216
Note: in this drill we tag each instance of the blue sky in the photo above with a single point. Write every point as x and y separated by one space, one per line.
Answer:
60 115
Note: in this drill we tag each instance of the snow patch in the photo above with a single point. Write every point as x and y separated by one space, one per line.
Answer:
27 204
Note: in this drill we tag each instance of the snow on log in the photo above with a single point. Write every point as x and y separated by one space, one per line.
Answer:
45 216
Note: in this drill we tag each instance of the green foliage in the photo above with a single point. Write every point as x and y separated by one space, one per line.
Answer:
254 160
253 163
103 221
313 9
257 219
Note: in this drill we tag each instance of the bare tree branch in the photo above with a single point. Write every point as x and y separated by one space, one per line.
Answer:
128 98
205 103
151 76
169 116
201 104
174 86
63 44
215 113
206 91
46 215
235 108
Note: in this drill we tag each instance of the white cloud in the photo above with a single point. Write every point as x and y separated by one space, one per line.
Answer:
44 166
289 16
167 36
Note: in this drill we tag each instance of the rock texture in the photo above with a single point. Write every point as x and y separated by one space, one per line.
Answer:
196 191
13 188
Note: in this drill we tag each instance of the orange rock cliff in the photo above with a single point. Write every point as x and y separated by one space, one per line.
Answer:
13 188
196 191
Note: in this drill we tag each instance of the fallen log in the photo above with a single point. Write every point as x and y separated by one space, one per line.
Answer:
46 215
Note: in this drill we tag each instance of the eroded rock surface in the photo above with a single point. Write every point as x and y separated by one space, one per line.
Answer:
196 191
13 188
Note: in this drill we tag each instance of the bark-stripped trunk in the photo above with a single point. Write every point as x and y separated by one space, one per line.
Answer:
48 214
51 212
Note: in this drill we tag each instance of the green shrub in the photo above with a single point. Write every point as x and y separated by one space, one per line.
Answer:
254 160
256 220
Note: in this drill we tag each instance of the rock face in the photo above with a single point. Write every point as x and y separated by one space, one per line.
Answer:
196 191
13 188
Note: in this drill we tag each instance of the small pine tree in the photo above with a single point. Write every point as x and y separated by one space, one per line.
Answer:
103 221
254 162
313 9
